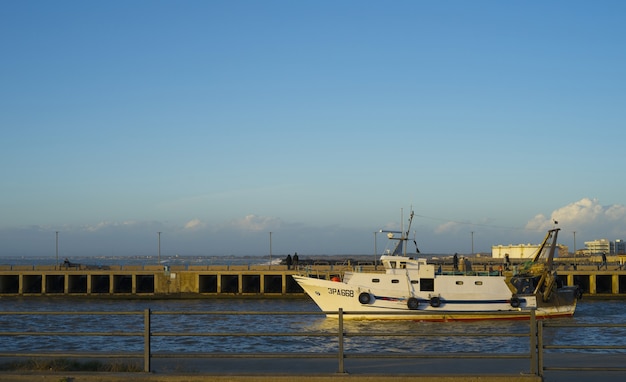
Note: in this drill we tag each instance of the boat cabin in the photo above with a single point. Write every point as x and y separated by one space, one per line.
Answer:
396 264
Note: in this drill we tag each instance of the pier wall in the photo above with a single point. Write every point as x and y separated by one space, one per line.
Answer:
127 281
223 281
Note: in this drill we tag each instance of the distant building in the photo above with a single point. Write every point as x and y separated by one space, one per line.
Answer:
596 247
523 251
618 246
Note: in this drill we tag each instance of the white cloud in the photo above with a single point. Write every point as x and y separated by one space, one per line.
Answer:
256 223
106 225
194 224
616 212
586 215
98 226
539 223
447 227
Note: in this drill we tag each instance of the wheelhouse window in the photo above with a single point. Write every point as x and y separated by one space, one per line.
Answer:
427 285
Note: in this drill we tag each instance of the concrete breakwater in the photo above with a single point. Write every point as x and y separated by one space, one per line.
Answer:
228 281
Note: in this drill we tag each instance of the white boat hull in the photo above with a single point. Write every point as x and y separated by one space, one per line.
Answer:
495 301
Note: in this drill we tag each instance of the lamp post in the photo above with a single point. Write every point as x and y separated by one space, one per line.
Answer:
159 246
575 264
472 242
57 250
270 266
375 251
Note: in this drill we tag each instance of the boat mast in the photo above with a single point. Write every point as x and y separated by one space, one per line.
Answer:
551 236
404 235
548 276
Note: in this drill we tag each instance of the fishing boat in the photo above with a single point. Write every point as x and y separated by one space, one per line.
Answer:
411 288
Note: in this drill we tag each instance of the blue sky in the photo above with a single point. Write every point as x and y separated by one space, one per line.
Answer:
217 122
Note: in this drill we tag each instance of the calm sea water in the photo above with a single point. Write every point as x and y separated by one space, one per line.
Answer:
593 312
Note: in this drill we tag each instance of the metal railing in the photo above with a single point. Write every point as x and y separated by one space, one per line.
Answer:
544 327
535 337
147 335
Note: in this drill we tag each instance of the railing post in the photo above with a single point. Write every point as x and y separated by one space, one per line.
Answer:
146 340
340 338
533 342
540 348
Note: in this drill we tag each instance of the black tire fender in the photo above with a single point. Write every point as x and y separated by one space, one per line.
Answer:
365 298
515 302
412 303
435 302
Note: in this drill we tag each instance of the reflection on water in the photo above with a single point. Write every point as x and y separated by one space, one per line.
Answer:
592 312
491 333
